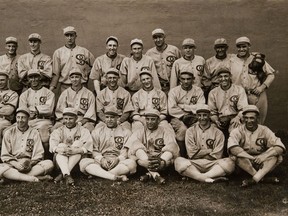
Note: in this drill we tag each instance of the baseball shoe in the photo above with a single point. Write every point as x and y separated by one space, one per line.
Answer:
45 178
2 181
160 180
247 182
220 179
58 178
273 180
146 177
69 180
121 178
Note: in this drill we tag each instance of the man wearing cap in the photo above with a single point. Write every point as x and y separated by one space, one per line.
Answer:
189 61
153 146
8 64
255 148
114 96
182 104
163 55
147 98
69 143
132 66
35 60
220 60
243 74
205 145
110 153
78 97
40 102
111 59
22 152
68 57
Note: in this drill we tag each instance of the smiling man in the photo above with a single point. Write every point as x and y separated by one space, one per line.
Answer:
255 148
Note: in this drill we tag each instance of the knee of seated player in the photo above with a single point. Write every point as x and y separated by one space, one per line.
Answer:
84 163
130 164
274 159
57 125
3 168
47 166
44 135
90 126
181 164
227 164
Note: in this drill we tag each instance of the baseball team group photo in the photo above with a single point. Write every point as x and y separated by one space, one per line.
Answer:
146 120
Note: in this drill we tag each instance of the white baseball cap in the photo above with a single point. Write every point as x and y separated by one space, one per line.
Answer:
70 111
158 31
203 108
11 40
75 70
69 29
113 71
24 110
220 42
33 72
188 41
136 41
145 71
112 38
250 108
34 36
242 40
152 112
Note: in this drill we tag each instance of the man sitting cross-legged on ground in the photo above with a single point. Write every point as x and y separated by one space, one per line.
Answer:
256 148
22 152
153 146
205 145
69 142
109 150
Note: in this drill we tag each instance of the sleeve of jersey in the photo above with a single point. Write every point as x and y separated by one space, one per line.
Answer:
96 70
212 103
7 147
47 71
87 141
170 144
48 107
22 69
173 108
273 140
8 107
243 101
56 69
178 53
163 103
270 72
234 139
190 143
54 140
156 81
91 60
61 104
174 75
91 114
97 155
218 146
23 99
123 71
128 106
38 150
135 102
134 143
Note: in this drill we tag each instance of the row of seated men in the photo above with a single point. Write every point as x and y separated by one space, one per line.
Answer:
152 141
250 70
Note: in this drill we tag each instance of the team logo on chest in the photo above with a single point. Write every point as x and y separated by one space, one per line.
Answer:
6 98
42 100
210 143
170 60
118 66
200 68
40 65
81 59
29 145
119 142
262 143
156 103
84 103
159 144
120 103
234 98
194 99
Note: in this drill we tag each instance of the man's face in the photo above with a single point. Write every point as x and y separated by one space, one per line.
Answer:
152 122
3 82
112 47
70 121
112 80
34 45
203 118
111 120
243 50
137 50
11 48
224 79
188 50
22 120
146 81
221 50
186 81
159 40
250 120
70 38
75 80
34 80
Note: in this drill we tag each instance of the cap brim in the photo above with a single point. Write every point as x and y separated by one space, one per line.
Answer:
70 114
23 111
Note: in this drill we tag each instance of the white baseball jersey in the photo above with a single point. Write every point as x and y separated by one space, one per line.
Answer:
109 141
10 65
101 66
197 65
153 142
229 102
64 135
131 70
8 99
17 144
181 101
197 140
164 60
154 99
64 59
255 142
41 100
83 101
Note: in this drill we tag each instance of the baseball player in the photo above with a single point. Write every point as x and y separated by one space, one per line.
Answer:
163 55
147 98
22 152
68 143
154 147
8 103
227 102
205 144
78 97
220 60
110 154
8 63
245 75
256 148
68 57
189 61
111 59
40 101
35 60
132 66
114 96
182 104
